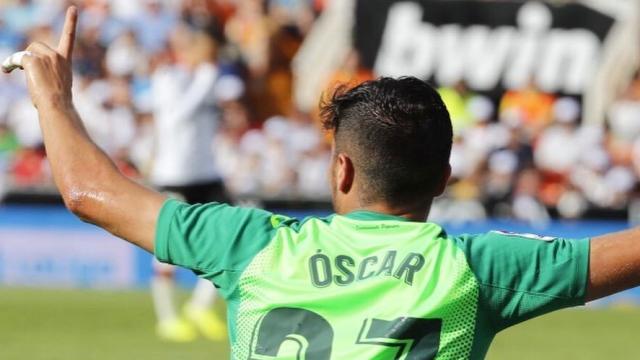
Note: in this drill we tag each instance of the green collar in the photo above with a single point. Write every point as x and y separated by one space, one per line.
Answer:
372 215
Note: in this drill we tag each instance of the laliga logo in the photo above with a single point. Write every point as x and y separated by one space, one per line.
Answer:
558 60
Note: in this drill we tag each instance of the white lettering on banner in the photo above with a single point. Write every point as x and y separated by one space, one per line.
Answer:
65 258
559 60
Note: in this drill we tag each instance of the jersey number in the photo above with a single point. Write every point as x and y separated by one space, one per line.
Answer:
312 335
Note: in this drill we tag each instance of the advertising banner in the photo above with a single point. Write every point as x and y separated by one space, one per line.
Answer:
490 45
49 248
65 258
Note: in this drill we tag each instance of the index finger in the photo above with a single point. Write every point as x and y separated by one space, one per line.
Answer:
65 46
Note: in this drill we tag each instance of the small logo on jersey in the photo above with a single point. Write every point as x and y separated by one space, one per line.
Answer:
525 235
377 226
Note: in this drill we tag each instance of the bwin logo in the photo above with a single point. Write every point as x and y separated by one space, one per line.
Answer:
558 60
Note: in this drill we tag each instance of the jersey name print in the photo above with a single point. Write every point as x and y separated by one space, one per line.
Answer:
366 285
343 269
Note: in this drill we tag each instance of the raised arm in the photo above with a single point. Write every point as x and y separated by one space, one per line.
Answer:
90 184
614 263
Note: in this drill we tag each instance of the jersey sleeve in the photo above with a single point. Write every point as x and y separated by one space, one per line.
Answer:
216 241
522 276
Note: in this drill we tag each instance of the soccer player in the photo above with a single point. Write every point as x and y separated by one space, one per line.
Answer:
372 281
185 122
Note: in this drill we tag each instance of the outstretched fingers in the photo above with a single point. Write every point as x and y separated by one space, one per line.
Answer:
65 46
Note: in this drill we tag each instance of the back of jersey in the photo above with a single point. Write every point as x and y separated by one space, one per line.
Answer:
361 286
368 285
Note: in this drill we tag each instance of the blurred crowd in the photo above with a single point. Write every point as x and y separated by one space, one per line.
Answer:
528 156
517 155
234 55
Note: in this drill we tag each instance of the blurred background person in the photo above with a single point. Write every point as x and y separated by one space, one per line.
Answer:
186 119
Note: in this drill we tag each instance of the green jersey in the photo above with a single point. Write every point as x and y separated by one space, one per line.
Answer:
367 285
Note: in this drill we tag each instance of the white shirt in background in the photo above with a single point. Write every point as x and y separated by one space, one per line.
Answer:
185 122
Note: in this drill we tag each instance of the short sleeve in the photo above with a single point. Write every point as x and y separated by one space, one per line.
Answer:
216 241
522 276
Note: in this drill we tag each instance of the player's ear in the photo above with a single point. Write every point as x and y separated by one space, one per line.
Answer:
344 173
446 174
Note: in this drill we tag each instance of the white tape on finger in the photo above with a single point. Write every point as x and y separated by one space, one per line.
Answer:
14 61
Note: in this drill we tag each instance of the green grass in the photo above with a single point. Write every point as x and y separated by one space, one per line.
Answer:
63 324
573 334
72 324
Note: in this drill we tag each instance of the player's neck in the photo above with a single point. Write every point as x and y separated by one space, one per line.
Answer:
413 213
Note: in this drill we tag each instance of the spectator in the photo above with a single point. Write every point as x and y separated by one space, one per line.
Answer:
124 57
529 107
557 149
186 120
456 99
8 141
153 26
21 16
249 30
624 114
526 205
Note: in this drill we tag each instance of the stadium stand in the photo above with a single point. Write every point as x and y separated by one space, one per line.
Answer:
520 151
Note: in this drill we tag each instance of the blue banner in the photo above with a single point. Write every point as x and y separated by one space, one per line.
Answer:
49 247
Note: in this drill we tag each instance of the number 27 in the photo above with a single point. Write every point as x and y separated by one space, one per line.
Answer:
414 338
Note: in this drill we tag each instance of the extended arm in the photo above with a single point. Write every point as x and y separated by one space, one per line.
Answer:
90 184
614 263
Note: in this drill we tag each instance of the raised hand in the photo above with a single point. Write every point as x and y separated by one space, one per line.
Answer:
90 184
48 70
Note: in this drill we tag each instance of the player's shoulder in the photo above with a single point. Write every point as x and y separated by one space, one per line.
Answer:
506 235
501 235
499 240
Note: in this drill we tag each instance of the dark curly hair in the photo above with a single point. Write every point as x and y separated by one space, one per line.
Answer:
397 133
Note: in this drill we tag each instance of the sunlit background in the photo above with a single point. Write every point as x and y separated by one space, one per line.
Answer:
544 98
